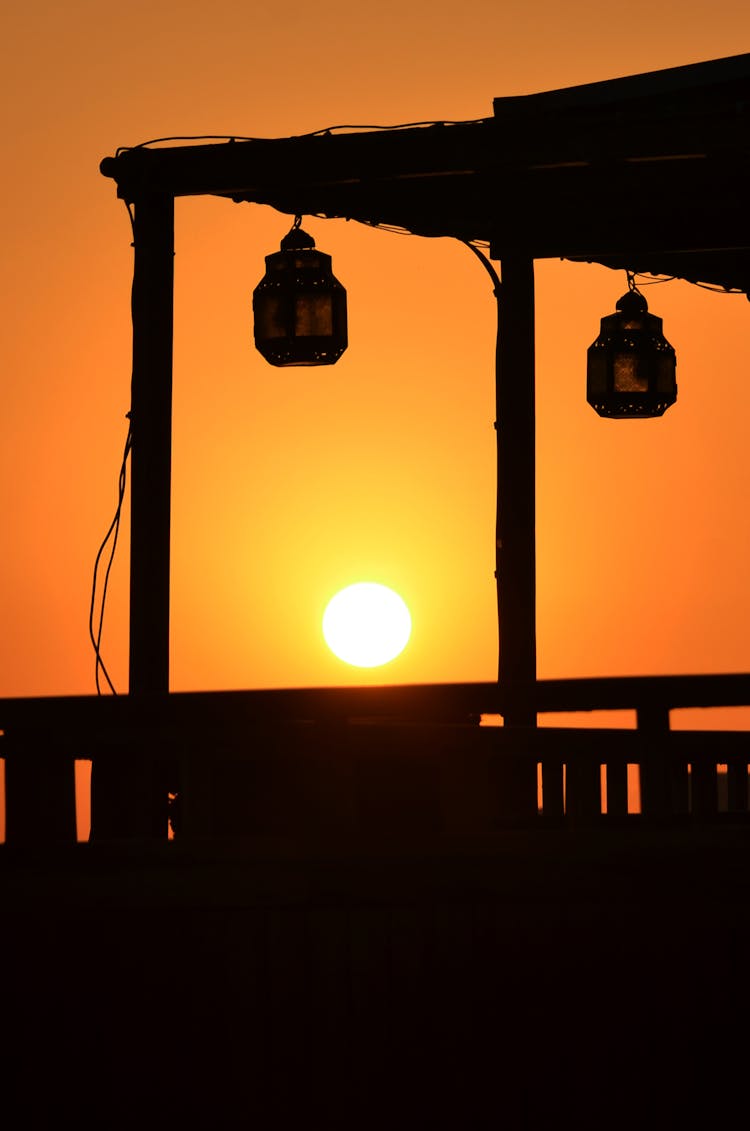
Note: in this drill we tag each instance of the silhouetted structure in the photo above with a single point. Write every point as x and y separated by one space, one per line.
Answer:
376 910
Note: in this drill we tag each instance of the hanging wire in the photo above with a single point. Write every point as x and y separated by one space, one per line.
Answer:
96 625
719 290
643 282
400 126
486 264
313 133
392 229
715 288
182 137
397 230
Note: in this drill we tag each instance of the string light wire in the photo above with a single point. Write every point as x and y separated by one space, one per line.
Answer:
313 133
96 622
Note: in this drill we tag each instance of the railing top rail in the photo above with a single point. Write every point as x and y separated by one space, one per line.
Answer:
612 693
439 702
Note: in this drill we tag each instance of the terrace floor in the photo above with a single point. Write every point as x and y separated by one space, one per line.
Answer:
591 975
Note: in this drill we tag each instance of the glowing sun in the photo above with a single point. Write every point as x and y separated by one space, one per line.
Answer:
366 624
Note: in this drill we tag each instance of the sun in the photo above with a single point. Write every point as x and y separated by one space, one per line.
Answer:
366 624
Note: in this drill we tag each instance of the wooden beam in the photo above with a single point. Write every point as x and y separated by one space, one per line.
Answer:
516 491
151 422
77 718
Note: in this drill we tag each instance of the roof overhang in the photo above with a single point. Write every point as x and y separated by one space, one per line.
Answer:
649 172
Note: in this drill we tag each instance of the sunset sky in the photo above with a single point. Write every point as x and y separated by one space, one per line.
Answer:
289 484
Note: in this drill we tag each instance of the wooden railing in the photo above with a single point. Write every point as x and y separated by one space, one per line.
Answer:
345 762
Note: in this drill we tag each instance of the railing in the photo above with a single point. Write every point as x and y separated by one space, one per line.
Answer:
396 762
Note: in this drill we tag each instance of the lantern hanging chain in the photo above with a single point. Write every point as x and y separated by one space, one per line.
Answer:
96 624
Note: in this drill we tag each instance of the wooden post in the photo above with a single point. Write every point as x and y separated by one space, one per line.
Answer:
664 780
151 457
516 490
129 786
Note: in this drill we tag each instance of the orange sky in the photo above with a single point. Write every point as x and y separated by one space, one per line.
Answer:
289 484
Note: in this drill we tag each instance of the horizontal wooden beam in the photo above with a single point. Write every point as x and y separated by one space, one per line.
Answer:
446 702
643 168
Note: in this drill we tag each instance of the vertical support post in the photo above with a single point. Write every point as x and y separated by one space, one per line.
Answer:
151 456
129 787
516 490
664 781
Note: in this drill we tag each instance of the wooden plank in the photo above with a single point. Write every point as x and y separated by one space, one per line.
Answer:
440 702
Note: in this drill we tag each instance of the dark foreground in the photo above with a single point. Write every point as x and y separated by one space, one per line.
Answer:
557 976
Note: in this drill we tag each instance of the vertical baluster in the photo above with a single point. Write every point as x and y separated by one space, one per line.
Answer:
583 791
129 792
663 779
514 780
40 800
552 788
704 787
737 787
195 786
617 789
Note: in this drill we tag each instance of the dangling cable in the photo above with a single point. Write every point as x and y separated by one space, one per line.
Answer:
487 266
113 533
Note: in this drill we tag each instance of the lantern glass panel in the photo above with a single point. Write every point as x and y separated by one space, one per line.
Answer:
269 315
313 315
631 373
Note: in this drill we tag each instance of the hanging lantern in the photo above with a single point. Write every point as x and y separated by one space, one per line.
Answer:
299 306
631 366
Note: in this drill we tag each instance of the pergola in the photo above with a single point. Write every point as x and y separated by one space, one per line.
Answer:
649 173
357 923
